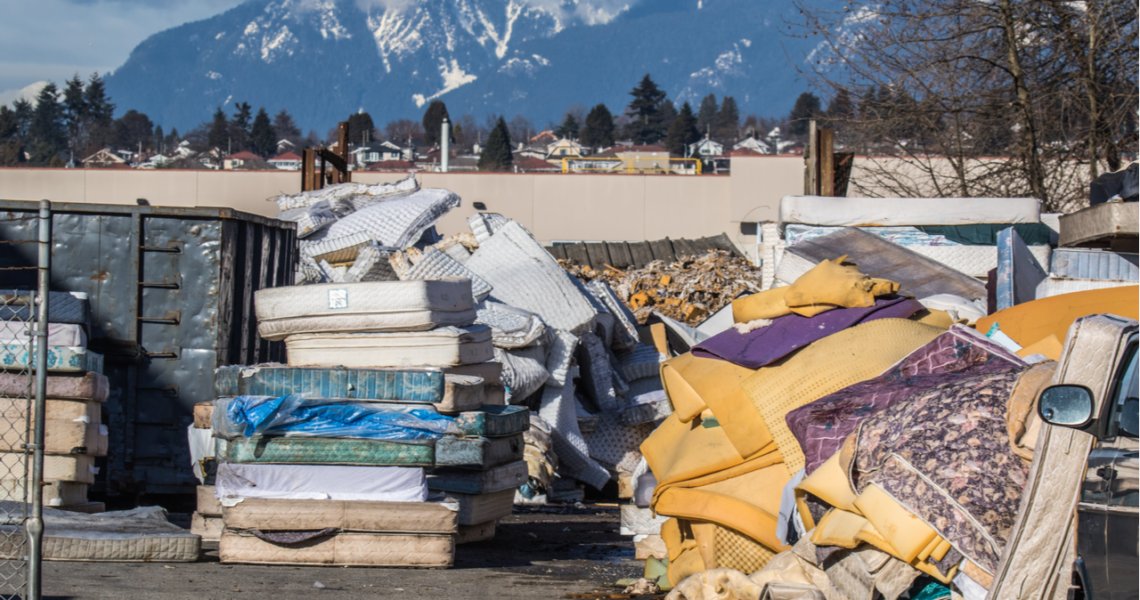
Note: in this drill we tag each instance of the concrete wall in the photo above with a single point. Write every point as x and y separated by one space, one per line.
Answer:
553 206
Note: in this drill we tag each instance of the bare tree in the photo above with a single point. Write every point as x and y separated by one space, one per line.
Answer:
980 98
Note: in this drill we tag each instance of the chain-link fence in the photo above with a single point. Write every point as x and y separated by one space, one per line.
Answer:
23 354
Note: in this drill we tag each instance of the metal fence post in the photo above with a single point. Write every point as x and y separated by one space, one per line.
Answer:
35 525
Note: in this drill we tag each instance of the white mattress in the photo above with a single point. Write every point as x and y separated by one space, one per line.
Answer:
434 265
366 306
397 222
892 212
975 261
525 275
443 347
138 535
348 192
319 482
511 327
335 249
1055 286
59 334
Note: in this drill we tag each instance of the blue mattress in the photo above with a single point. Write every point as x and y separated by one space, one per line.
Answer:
399 385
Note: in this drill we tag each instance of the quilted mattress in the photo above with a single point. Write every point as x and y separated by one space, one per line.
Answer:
898 212
342 249
61 437
443 347
358 515
60 359
365 306
641 362
89 386
350 549
477 452
503 477
320 482
648 409
490 372
63 307
138 535
56 493
434 265
78 411
404 385
481 508
1100 222
59 334
975 261
78 467
329 451
470 534
494 421
1090 263
525 275
397 222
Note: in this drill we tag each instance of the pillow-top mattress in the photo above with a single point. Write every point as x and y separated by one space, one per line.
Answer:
373 306
442 347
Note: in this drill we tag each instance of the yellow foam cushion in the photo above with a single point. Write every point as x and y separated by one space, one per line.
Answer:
677 451
1031 322
832 283
691 380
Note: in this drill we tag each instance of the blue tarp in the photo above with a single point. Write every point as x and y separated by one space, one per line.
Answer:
293 415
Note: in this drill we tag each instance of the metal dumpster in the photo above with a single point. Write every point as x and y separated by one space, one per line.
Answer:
171 293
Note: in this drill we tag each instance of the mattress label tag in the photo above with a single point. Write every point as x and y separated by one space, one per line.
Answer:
338 299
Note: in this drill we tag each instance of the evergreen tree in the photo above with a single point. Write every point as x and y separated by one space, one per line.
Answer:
133 131
646 125
100 115
172 141
219 132
706 114
75 115
806 108
726 128
47 134
682 132
841 108
568 129
433 117
159 140
10 142
262 139
22 110
239 127
361 129
496 155
286 128
598 131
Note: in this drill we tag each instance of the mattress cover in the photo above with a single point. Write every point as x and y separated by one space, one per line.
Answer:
235 481
442 347
139 535
402 385
89 386
270 514
60 359
895 212
352 549
364 306
63 307
59 334
488 481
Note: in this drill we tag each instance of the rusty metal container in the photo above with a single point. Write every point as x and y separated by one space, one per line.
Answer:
171 296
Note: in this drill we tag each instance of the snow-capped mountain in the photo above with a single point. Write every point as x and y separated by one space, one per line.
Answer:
324 59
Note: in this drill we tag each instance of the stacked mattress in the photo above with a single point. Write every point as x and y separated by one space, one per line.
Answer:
959 233
74 434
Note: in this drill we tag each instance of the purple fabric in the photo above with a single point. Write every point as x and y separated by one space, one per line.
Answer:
766 345
821 426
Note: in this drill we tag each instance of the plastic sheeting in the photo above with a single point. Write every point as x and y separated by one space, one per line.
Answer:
248 416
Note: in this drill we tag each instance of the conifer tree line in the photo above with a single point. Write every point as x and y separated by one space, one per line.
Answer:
65 126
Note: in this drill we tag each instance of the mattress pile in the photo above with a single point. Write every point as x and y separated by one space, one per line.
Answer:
960 233
74 434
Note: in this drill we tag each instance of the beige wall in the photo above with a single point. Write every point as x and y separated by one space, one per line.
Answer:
553 206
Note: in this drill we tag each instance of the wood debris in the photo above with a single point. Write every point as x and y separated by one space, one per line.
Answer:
689 289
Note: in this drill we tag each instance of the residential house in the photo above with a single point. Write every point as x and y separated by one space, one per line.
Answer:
105 159
286 161
376 152
752 145
706 148
530 164
543 138
643 159
284 146
391 166
564 148
243 160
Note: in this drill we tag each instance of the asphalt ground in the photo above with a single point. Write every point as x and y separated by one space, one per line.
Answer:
571 552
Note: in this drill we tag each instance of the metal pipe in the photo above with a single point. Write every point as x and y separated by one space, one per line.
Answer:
444 144
35 523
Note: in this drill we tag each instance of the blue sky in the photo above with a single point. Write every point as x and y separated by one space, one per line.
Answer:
54 39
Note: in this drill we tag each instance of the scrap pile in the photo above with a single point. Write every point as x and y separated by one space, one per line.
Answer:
74 434
866 429
687 290
459 373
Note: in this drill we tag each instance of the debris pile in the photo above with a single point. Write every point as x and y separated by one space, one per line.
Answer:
689 289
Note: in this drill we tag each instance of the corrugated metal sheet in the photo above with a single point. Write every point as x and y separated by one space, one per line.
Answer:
171 293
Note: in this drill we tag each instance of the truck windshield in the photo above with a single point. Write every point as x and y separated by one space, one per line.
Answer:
1125 419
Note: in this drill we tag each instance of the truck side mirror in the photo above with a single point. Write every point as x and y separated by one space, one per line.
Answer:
1066 405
